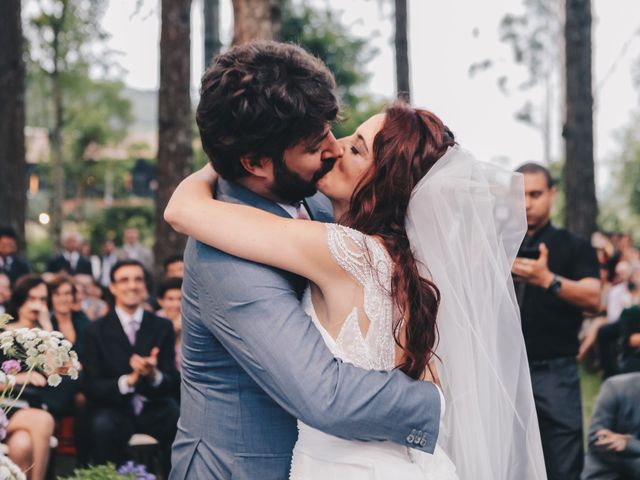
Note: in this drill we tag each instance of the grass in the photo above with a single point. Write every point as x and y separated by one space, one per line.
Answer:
590 385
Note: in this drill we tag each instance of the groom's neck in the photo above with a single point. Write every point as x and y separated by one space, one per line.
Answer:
258 186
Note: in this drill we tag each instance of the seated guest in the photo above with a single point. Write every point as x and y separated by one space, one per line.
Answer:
174 266
29 304
621 296
89 297
70 259
133 249
170 299
5 291
30 427
129 371
630 340
10 263
65 398
614 435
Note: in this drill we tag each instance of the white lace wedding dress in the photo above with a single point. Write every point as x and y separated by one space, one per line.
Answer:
319 456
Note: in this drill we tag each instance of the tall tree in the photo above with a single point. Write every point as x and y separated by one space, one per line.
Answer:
256 20
13 196
64 37
534 37
579 178
175 153
212 42
321 32
402 51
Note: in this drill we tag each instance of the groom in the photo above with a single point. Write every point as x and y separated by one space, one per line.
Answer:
252 361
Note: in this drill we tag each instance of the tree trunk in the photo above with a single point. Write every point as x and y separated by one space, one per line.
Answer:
13 185
581 205
276 19
55 135
175 155
212 42
402 52
253 20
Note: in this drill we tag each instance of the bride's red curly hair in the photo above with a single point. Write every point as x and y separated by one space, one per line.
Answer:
409 143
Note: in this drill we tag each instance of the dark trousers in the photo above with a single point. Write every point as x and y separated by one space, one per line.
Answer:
556 390
608 337
111 429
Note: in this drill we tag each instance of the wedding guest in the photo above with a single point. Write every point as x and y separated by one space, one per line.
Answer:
29 304
170 299
621 296
10 263
630 340
30 427
130 373
85 251
174 266
108 258
614 434
5 291
553 290
89 297
133 249
70 259
65 399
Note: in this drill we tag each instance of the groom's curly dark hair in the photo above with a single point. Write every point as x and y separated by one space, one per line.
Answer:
260 98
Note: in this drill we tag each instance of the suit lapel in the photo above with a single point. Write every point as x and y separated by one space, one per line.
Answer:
235 193
145 336
319 208
116 340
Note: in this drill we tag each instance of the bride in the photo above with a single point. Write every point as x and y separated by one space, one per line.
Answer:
415 275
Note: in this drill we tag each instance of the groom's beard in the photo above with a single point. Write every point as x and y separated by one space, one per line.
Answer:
291 187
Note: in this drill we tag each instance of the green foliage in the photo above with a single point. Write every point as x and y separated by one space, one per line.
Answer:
621 207
94 110
557 173
38 252
322 33
110 223
98 472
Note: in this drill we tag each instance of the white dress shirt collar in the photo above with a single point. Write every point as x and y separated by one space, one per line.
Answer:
125 318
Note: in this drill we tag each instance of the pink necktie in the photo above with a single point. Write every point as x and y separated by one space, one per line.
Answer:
132 329
301 212
137 401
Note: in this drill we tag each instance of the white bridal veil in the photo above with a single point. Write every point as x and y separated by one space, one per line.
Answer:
465 222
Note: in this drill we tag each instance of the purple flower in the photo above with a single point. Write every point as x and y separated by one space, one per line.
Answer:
4 423
140 471
11 367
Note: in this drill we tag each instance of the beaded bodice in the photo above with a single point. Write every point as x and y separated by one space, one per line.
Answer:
368 262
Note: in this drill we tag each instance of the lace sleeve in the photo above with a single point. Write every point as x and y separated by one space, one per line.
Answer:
368 262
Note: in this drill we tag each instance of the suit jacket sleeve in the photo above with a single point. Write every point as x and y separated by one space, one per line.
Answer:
254 311
166 364
98 387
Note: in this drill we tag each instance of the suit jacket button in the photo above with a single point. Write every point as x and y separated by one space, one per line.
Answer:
423 443
410 438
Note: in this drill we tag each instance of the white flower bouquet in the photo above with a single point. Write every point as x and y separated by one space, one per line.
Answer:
28 350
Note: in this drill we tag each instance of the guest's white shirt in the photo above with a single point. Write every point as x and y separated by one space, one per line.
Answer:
125 320
619 298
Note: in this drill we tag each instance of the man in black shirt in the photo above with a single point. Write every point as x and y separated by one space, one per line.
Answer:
557 277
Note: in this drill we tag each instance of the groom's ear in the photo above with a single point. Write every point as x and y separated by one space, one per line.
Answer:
261 167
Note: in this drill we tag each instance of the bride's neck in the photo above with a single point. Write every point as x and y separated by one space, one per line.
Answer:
339 209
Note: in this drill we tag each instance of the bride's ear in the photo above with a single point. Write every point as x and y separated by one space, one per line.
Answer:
261 167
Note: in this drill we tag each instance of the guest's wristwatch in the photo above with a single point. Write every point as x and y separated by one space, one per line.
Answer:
555 285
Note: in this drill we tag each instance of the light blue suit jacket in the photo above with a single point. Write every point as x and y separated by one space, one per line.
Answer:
252 362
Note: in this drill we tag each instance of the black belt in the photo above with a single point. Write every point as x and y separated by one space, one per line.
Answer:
553 364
